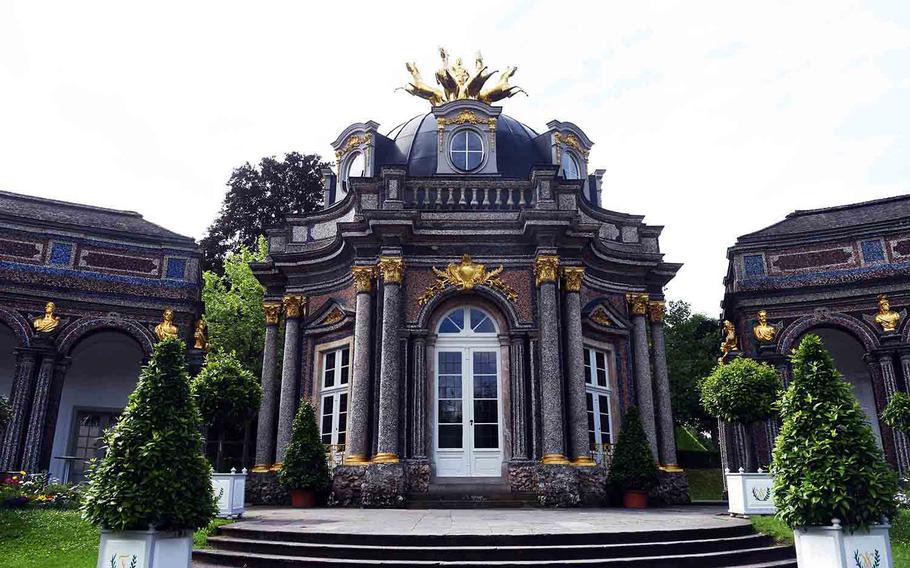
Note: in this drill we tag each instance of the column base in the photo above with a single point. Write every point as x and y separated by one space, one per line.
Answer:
356 459
385 457
671 468
384 485
262 488
554 459
673 489
261 468
275 467
584 461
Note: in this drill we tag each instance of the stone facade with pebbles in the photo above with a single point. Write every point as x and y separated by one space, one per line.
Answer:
464 307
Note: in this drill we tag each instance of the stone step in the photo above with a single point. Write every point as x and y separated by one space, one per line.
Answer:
481 553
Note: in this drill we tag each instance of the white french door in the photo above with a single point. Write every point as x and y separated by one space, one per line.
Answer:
467 414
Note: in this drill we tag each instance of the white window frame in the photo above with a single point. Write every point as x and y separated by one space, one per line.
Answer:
598 392
451 150
335 392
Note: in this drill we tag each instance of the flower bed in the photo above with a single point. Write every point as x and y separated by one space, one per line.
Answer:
37 490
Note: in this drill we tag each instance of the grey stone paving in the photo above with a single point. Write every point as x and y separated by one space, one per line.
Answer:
483 521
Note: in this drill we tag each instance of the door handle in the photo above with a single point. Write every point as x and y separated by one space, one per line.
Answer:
472 422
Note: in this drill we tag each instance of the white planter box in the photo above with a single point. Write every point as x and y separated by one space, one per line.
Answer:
229 489
145 549
832 547
750 493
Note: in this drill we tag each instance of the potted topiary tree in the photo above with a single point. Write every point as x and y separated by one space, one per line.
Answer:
153 487
897 412
304 470
832 484
633 471
744 391
228 396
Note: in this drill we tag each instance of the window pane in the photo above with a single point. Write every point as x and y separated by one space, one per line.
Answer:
474 159
343 404
604 404
474 141
449 387
450 412
480 322
328 403
329 365
345 365
449 363
326 439
485 387
356 166
486 436
327 427
459 142
453 323
342 438
589 403
450 436
570 169
485 411
342 423
591 421
485 363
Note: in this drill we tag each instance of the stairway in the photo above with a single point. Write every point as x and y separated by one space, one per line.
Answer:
733 546
477 495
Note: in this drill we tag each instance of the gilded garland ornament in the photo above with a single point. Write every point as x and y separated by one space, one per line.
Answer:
363 278
272 312
656 310
638 303
391 268
762 330
465 275
886 317
48 322
353 141
166 328
457 83
293 305
571 141
572 277
546 268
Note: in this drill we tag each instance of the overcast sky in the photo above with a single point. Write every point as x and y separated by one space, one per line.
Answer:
713 119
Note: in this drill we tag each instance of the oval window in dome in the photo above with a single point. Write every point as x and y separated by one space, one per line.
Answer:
570 169
466 150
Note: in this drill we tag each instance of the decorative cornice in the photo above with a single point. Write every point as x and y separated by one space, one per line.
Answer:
572 277
546 269
391 268
272 312
657 309
363 278
638 303
465 275
293 306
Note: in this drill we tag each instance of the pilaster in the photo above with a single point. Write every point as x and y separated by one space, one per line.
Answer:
268 409
20 401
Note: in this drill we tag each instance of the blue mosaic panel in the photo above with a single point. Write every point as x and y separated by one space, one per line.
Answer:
176 268
754 265
873 251
61 254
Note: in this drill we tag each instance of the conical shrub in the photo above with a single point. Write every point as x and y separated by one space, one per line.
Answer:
154 473
632 466
827 463
304 465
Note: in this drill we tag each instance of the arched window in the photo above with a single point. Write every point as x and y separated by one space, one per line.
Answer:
570 168
467 320
466 150
356 167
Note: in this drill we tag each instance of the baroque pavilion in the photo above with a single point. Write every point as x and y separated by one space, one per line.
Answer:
464 309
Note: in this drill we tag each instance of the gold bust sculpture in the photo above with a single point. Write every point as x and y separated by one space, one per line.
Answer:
886 317
729 342
763 330
166 328
199 335
48 322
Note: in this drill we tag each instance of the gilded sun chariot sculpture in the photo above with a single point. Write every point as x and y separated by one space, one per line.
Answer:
465 275
458 83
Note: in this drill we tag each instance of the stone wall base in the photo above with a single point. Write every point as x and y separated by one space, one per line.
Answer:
384 485
673 489
559 485
263 489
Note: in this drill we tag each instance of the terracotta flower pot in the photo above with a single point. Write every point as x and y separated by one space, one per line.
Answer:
632 499
303 498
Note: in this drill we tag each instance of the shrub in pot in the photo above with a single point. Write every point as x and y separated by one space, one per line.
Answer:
304 470
633 471
153 487
832 484
897 412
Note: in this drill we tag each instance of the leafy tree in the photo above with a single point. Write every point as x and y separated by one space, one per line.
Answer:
827 463
632 466
233 307
260 197
154 473
691 341
304 465
896 414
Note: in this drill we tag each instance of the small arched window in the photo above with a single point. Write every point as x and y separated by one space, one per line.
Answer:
570 167
466 150
356 167
467 320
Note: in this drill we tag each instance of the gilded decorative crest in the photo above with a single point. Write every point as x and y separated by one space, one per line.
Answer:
353 141
600 316
272 312
638 303
465 275
458 83
656 310
571 141
48 322
166 328
572 277
293 305
334 316
391 268
363 278
546 268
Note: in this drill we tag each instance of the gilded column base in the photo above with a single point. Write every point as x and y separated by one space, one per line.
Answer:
385 457
554 459
671 468
275 466
356 459
260 468
584 461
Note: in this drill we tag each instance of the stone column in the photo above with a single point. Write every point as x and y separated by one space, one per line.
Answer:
419 434
518 397
34 436
358 439
554 451
290 374
667 447
268 409
886 365
638 304
20 401
392 270
579 444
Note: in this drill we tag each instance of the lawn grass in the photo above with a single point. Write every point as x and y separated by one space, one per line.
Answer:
38 538
705 484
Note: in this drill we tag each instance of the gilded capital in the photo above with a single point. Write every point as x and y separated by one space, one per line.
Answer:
363 278
272 312
293 305
657 309
546 267
572 277
392 269
638 303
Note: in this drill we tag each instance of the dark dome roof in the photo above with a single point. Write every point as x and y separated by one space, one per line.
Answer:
414 144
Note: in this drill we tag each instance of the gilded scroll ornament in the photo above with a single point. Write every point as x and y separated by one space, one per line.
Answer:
546 267
729 342
354 141
762 330
333 316
886 317
48 322
391 268
657 310
272 312
571 141
293 305
572 277
199 335
600 316
363 278
166 328
458 83
465 275
638 303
